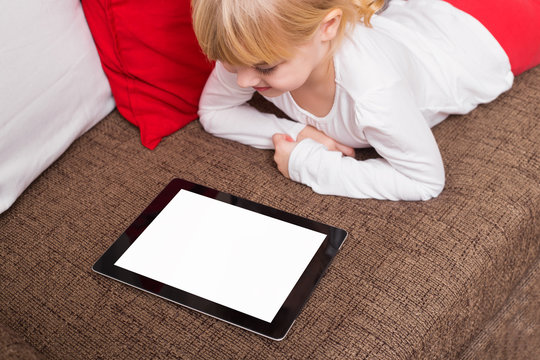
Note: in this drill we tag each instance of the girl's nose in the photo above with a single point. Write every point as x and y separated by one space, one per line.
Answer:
247 77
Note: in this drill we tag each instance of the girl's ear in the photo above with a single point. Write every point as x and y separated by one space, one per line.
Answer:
330 24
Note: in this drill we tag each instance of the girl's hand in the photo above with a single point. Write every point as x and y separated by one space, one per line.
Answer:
322 138
284 145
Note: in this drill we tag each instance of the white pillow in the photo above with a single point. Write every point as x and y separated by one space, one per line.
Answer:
52 87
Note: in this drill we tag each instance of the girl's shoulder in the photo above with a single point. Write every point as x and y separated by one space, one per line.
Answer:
363 63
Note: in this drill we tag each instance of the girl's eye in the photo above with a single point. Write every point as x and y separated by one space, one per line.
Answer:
265 71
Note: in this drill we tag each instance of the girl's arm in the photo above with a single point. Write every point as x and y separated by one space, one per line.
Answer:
411 167
223 112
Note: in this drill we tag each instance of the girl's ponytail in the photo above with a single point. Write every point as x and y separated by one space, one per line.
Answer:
366 8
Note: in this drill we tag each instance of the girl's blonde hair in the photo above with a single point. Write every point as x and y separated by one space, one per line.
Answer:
249 32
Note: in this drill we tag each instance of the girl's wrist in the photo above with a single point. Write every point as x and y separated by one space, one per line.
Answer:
306 132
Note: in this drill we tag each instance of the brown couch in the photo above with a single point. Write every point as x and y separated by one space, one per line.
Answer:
454 277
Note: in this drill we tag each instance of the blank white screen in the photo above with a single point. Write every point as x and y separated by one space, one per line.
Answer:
223 253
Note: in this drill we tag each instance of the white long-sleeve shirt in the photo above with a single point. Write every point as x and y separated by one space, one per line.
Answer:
421 61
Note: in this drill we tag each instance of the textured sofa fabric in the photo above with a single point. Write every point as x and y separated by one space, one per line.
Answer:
13 346
454 277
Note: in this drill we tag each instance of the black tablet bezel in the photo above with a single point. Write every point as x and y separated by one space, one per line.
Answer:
292 306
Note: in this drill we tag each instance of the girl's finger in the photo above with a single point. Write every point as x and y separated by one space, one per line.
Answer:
345 150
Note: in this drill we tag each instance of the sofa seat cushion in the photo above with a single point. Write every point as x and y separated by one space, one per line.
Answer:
413 279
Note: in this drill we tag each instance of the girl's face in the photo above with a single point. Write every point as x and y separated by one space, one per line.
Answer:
308 63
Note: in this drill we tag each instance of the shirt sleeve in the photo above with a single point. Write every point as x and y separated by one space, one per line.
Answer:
411 166
224 112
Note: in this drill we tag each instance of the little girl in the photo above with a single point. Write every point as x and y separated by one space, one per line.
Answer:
351 76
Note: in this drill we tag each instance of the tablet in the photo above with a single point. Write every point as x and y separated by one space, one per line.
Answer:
245 263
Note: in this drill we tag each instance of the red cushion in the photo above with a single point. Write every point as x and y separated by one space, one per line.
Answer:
515 25
152 60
